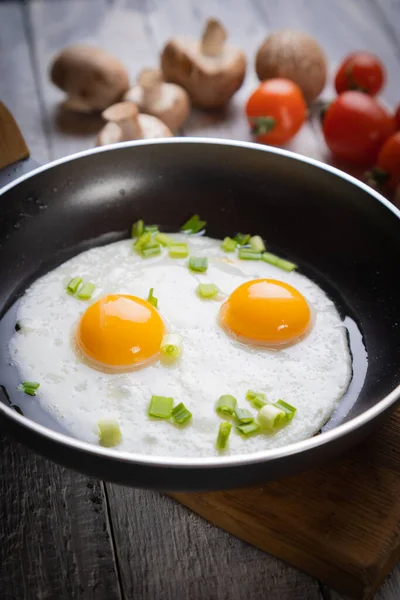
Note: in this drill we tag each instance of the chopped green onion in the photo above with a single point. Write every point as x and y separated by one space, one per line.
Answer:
73 285
193 225
226 405
256 398
137 229
248 428
86 291
142 241
178 250
271 417
151 249
288 409
161 407
223 435
171 346
242 238
181 414
198 263
229 245
207 290
248 254
256 242
29 387
243 416
152 228
153 301
163 239
272 259
109 433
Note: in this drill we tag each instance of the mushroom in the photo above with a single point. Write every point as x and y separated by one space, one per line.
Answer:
209 69
92 78
166 101
125 123
294 55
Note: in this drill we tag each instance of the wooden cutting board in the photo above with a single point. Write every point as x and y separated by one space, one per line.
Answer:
339 523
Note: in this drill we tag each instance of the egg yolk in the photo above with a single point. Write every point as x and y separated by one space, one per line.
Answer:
267 312
120 332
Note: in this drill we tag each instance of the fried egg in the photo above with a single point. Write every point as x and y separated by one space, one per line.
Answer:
267 330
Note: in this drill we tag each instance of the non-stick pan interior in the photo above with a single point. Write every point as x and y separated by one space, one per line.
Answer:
340 234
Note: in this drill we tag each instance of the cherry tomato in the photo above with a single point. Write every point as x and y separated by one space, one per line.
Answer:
276 111
360 71
397 117
355 126
388 162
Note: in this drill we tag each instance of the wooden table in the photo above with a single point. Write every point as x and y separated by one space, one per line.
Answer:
63 535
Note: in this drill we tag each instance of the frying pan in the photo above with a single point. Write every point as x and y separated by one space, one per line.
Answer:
340 232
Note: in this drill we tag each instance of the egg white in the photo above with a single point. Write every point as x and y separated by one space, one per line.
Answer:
312 375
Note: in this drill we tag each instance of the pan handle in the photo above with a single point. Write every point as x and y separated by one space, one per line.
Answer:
14 153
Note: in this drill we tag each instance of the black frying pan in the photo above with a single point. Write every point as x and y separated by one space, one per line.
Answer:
342 234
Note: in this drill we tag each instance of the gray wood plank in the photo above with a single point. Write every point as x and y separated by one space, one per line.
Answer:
54 537
167 552
17 85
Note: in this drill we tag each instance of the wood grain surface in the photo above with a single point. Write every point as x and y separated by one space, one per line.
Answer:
63 535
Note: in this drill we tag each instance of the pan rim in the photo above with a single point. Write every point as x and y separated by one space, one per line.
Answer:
263 456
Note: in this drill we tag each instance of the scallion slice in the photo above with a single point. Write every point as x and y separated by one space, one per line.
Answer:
152 228
226 405
86 291
272 259
29 387
171 346
207 290
198 263
181 414
152 299
151 249
242 238
271 417
243 416
193 225
178 250
288 409
137 229
256 242
256 398
163 239
229 245
248 254
248 428
73 285
160 407
142 241
109 433
223 435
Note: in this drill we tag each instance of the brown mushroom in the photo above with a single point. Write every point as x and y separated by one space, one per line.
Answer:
124 123
166 101
209 69
92 78
294 55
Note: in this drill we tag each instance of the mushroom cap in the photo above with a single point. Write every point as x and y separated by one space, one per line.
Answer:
169 102
294 55
92 78
110 134
153 127
120 112
209 80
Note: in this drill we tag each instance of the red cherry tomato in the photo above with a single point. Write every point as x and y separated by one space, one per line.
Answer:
389 161
276 111
360 71
355 126
397 117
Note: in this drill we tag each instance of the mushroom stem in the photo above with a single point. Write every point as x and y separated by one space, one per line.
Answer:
213 40
150 80
125 115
